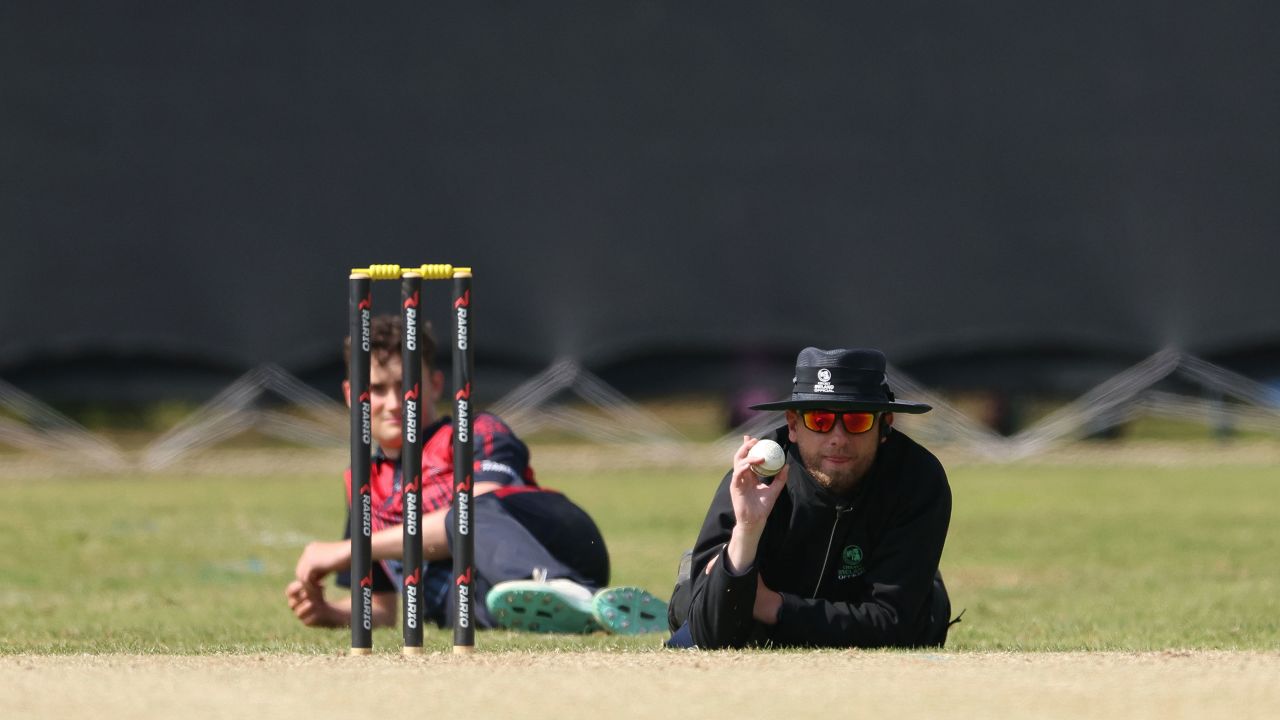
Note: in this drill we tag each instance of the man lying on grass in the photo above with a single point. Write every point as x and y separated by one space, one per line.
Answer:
842 547
541 563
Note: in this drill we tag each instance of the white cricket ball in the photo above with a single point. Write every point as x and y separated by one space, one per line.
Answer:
773 456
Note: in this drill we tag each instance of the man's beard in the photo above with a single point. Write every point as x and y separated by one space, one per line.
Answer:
840 484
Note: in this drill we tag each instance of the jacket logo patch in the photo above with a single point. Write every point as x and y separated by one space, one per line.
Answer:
851 565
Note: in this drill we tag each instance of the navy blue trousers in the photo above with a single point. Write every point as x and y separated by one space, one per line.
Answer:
515 533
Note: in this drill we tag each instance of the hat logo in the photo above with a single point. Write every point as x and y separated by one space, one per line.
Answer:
824 382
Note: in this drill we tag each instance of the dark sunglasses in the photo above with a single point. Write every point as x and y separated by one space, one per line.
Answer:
821 421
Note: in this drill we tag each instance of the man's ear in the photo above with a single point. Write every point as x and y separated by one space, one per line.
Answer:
793 419
346 392
435 385
886 426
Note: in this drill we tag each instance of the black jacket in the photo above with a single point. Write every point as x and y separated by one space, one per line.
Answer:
857 573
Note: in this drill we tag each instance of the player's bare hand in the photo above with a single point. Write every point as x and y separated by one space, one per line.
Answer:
752 498
308 604
321 558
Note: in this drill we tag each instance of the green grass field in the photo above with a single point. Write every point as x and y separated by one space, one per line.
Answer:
1043 557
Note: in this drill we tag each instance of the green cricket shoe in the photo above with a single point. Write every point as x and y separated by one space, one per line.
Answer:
626 610
542 606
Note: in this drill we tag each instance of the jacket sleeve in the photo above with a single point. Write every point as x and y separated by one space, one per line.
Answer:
721 603
894 612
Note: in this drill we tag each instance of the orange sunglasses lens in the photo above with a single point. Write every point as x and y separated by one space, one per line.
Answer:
859 422
820 421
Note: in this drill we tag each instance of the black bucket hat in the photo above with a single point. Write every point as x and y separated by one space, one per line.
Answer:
842 380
